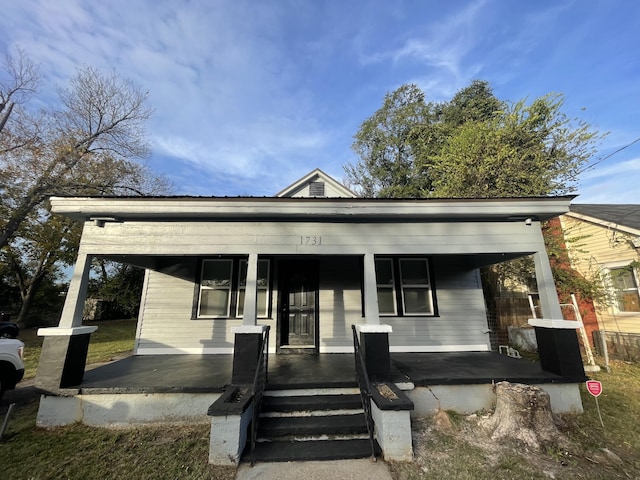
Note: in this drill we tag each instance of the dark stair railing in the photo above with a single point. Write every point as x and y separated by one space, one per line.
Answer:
259 382
365 388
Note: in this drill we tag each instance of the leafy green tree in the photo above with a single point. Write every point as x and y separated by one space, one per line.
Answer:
46 242
474 146
524 150
388 143
120 286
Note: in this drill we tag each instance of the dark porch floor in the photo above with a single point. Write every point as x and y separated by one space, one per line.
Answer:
211 373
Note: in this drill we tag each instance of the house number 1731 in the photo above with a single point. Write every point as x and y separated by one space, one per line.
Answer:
312 240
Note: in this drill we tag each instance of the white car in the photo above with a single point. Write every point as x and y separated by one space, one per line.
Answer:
11 363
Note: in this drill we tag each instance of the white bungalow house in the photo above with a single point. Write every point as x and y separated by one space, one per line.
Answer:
308 263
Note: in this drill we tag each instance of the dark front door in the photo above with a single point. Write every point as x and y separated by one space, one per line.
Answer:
298 300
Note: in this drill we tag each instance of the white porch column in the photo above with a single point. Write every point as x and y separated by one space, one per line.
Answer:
77 294
250 312
549 304
371 312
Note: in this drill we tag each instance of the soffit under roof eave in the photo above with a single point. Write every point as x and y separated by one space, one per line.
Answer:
603 223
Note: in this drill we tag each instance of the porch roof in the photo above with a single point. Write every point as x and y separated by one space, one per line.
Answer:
212 373
337 209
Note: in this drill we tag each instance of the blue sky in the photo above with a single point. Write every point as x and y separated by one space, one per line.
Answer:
251 95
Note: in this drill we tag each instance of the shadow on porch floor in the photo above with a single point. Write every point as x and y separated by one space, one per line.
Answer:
211 373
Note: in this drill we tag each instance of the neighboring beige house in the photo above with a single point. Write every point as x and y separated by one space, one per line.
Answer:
604 241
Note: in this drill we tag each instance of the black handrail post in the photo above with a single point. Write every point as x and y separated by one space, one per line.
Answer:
259 382
365 388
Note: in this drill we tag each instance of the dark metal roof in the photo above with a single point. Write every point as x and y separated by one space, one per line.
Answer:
320 199
627 214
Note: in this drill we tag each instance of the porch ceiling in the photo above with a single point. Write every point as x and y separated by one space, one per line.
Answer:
174 265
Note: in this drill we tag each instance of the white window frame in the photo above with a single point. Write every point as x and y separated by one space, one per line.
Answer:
242 288
228 288
636 278
416 285
397 287
386 286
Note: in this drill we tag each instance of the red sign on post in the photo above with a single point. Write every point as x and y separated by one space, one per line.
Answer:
594 387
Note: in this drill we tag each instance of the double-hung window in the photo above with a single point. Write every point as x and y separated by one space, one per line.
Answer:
404 286
215 288
625 285
386 286
223 284
262 304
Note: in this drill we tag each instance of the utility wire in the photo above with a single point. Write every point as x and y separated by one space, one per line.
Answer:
589 167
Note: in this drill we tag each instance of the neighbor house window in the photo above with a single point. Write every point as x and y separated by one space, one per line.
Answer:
625 285
215 288
404 286
262 304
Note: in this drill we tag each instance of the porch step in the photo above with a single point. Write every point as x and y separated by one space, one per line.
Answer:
302 403
328 426
299 425
292 451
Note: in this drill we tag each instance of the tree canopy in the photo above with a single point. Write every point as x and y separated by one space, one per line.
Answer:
90 142
474 145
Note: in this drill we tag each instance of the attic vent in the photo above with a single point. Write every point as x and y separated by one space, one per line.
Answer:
316 189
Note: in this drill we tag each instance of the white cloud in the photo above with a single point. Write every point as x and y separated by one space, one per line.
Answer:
612 183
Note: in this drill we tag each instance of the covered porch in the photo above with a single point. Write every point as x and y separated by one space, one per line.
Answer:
179 388
212 373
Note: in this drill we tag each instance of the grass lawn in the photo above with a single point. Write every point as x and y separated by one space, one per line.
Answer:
465 452
82 452
113 338
460 452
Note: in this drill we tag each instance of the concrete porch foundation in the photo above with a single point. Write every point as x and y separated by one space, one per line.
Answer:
125 410
165 388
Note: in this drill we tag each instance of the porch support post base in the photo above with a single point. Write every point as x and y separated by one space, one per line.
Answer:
558 347
393 433
63 357
246 352
228 438
374 340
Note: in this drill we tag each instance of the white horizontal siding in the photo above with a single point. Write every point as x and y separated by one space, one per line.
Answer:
166 325
340 302
461 323
592 248
202 238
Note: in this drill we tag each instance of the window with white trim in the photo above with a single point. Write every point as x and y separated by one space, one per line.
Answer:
386 286
223 283
625 285
215 288
262 304
404 286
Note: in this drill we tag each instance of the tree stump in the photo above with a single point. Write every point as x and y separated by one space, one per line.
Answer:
523 415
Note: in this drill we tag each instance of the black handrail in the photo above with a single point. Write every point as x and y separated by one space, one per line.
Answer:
259 382
365 389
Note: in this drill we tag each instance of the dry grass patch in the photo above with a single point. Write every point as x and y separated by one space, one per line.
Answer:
78 451
462 449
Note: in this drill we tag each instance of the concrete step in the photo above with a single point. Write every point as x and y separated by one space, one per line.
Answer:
291 451
310 426
308 403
